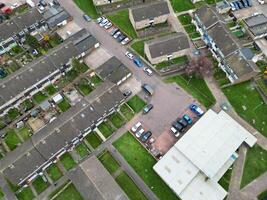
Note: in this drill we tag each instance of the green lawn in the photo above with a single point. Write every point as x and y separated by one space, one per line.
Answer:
71 75
255 165
82 150
129 187
248 103
39 97
181 5
39 185
185 19
263 195
50 89
262 64
190 29
88 7
54 172
195 86
69 193
117 120
220 76
194 35
82 68
109 162
64 105
27 105
121 19
262 85
93 140
176 61
105 129
225 180
142 162
25 194
126 111
67 161
24 132
84 87
139 47
1 194
95 80
13 113
136 103
11 139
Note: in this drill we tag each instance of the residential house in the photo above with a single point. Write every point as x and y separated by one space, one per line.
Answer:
256 26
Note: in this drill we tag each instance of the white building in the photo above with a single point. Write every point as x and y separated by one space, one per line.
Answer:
195 164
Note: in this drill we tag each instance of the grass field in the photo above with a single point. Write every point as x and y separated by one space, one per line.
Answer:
24 132
248 103
142 162
225 180
139 47
88 7
129 187
67 161
109 162
185 19
39 185
82 150
196 87
25 194
176 61
39 97
121 19
116 119
13 113
69 193
136 103
105 129
64 105
27 105
84 87
93 140
95 80
181 5
255 165
50 89
11 139
54 172
126 111
263 195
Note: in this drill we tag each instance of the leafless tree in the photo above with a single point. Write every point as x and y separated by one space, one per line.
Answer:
201 66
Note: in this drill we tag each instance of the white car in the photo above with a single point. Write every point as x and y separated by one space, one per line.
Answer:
117 34
129 55
104 22
261 2
125 41
139 133
175 132
99 20
136 127
255 14
148 71
108 25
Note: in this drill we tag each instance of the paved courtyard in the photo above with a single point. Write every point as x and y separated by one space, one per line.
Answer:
97 58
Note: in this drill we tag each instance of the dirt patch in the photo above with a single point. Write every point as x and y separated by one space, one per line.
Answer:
35 124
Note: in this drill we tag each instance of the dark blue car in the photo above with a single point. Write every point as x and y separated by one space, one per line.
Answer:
138 62
188 119
196 109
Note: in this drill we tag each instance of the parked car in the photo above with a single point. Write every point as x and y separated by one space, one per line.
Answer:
249 3
148 89
129 55
147 108
138 62
188 119
121 37
146 136
115 30
139 133
87 18
196 109
148 71
261 2
182 122
177 126
3 73
117 34
136 127
127 93
175 132
108 25
104 23
125 41
99 20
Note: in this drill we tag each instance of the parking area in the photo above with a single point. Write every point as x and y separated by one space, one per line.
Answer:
68 30
246 12
97 58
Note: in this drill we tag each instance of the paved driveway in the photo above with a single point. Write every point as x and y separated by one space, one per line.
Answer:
246 12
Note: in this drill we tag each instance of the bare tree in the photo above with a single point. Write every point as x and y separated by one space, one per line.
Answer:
201 66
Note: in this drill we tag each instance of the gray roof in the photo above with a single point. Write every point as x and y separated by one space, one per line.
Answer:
222 39
59 136
257 24
247 53
113 70
55 15
207 16
27 76
167 45
239 65
18 23
150 11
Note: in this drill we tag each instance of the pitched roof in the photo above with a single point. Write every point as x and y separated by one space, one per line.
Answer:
207 16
